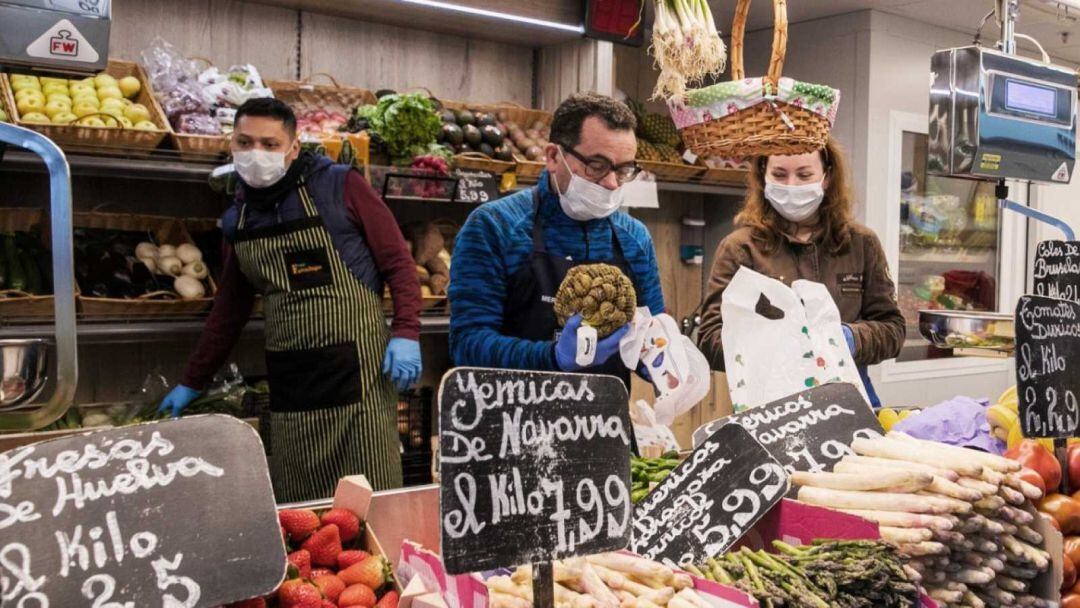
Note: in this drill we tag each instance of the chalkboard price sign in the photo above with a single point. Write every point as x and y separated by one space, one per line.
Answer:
535 467
1057 270
710 500
176 514
477 187
1047 353
808 431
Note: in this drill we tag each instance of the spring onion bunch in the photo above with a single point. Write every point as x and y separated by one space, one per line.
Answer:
686 45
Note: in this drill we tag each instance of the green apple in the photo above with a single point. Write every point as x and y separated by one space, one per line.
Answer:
36 118
91 121
82 108
124 122
59 96
30 106
104 80
80 88
53 87
130 86
112 102
146 125
64 118
137 112
29 83
3 115
112 111
56 106
109 92
44 80
86 98
29 94
109 121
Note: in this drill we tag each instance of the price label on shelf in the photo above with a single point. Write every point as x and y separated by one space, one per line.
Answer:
1057 270
1047 348
535 467
808 431
176 514
477 187
710 500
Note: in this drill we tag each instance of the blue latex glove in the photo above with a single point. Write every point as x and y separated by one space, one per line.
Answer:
850 337
177 399
566 347
402 362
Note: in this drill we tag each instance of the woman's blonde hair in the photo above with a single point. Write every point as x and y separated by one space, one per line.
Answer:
835 212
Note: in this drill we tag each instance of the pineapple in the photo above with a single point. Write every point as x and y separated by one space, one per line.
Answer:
655 128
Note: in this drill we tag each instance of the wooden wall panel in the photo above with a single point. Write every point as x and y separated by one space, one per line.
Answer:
572 67
226 32
378 56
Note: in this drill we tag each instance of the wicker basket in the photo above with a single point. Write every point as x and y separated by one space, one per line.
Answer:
205 148
19 304
765 128
671 172
165 230
304 96
734 177
475 161
528 170
517 113
104 140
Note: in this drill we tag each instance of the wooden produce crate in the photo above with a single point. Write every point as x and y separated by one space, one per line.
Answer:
162 230
528 170
734 177
103 140
475 161
671 172
20 304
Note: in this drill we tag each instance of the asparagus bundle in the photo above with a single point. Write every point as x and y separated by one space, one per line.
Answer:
961 516
841 574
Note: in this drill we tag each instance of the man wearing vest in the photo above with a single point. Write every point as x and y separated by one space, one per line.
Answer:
316 242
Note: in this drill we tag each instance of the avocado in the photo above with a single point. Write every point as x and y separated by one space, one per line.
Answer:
473 137
486 150
492 135
484 120
465 117
384 92
448 116
452 134
504 153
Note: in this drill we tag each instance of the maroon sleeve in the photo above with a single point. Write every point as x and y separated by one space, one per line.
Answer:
232 309
396 266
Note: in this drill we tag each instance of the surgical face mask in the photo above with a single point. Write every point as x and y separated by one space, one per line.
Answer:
259 168
795 203
585 200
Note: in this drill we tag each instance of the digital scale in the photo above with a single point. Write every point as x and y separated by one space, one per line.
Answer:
55 35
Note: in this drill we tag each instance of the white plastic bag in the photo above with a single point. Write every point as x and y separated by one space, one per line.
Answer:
827 334
772 349
648 431
678 370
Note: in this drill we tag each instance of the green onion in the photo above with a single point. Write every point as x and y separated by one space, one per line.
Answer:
686 45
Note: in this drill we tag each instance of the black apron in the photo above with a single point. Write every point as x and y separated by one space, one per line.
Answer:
529 313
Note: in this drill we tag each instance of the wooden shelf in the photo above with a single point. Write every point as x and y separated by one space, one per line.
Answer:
539 22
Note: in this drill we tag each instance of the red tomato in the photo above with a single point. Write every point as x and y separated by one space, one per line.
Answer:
1069 578
1072 600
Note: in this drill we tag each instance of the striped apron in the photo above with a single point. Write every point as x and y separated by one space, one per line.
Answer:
332 411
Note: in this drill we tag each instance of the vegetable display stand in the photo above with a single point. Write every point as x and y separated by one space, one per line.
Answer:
671 172
16 300
528 170
305 96
160 229
475 161
200 148
90 139
724 176
756 116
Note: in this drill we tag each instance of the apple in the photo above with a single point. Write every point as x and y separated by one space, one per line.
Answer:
29 94
113 103
53 87
104 80
109 92
56 106
59 96
36 118
28 106
110 121
145 125
81 108
86 98
44 80
137 112
112 111
130 86
125 122
79 88
64 118
3 115
29 83
91 121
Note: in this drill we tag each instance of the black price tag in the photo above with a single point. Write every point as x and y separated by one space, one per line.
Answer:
477 187
808 431
176 514
1048 366
1057 270
535 467
710 500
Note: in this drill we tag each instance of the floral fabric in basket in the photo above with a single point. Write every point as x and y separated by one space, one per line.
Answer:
719 100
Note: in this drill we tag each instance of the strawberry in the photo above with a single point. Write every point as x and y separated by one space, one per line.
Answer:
324 545
388 600
346 521
298 593
317 572
328 604
298 523
330 585
350 557
255 602
360 596
302 560
372 572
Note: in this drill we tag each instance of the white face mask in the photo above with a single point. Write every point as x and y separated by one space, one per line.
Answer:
795 203
585 200
259 168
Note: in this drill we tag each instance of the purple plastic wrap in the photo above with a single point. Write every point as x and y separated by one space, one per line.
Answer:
198 124
960 421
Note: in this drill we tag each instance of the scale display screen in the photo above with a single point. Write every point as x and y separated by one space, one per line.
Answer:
1027 97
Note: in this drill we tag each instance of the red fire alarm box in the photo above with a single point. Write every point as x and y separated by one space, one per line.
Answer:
619 21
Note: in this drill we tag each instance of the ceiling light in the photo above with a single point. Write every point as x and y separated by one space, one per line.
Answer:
579 29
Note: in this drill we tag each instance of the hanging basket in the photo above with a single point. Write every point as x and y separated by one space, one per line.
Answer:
756 116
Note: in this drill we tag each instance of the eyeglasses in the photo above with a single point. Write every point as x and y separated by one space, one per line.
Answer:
598 167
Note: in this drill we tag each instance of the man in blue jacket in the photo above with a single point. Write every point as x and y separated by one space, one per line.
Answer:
512 254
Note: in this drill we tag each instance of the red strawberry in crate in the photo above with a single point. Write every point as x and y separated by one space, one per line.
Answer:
346 521
298 593
317 572
373 572
350 557
328 604
255 602
330 585
389 600
324 545
360 596
298 523
302 560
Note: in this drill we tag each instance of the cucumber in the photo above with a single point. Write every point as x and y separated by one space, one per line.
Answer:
33 274
16 276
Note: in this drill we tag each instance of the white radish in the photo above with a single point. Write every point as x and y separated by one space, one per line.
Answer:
196 270
866 481
166 251
146 250
150 263
189 288
171 265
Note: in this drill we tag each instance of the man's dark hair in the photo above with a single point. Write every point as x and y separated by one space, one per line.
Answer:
270 108
572 112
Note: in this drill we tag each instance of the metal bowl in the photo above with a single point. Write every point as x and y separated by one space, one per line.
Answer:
982 330
24 366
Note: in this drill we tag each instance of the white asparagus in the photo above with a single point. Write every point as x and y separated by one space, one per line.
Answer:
983 545
943 486
1020 573
619 581
993 527
923 548
898 536
681 581
904 450
1028 535
503 584
945 595
632 564
993 477
1011 496
565 571
595 587
573 598
972 601
913 573
900 519
990 503
934 577
503 600
1021 549
955 506
995 563
878 501
871 478
1029 490
993 461
987 489
1019 517
1011 585
974 576
889 463
678 602
691 596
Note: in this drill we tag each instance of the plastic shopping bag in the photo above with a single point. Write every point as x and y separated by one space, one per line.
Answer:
827 334
677 369
768 349
652 436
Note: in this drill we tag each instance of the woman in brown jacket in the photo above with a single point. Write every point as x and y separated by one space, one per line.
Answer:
797 223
